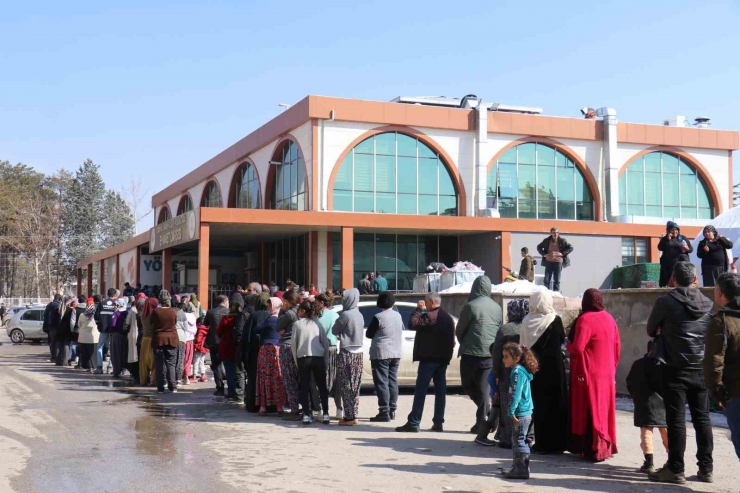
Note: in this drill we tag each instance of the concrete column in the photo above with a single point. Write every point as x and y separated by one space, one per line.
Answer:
204 252
348 258
167 269
138 266
101 284
79 282
89 280
481 171
117 275
610 185
505 253
313 277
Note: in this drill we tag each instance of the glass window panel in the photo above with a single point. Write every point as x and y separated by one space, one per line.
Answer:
364 202
364 249
448 250
671 212
385 173
406 145
364 172
566 209
427 205
385 144
653 211
685 168
670 190
507 207
509 156
703 196
365 147
583 193
652 189
491 185
688 191
342 200
427 251
527 153
448 205
688 212
585 211
508 182
670 164
652 162
566 184
641 248
705 213
293 179
546 183
546 209
293 151
628 247
406 203
278 183
635 188
407 174
428 176
425 151
385 203
301 175
287 179
385 253
446 187
545 156
527 182
527 209
623 190
636 165
406 253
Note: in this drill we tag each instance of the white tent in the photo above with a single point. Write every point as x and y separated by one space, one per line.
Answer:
728 225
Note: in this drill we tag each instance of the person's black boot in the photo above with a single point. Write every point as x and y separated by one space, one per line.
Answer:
381 418
648 466
219 392
520 469
408 428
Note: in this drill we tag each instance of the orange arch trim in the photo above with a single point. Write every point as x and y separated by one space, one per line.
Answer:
232 186
203 193
270 183
693 162
580 164
411 132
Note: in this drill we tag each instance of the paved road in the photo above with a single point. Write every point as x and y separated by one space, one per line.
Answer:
66 431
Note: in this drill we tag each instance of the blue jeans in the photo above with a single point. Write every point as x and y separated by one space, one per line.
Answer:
428 372
733 420
102 340
552 273
519 443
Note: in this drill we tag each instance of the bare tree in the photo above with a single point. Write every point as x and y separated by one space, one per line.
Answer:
134 193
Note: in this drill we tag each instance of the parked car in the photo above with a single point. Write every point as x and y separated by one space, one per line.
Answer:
408 368
26 324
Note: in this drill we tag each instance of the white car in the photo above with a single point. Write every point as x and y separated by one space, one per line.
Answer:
408 368
25 324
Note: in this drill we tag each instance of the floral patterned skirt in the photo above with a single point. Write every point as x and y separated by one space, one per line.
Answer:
270 387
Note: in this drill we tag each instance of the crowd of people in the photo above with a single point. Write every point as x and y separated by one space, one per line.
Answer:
286 352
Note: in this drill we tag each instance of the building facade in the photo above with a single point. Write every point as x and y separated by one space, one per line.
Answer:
332 188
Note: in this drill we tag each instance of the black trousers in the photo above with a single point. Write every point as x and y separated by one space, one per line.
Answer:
118 352
88 356
62 351
385 379
52 344
312 366
474 375
710 273
217 367
165 361
679 388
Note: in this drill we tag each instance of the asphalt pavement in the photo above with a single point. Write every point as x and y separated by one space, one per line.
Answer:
64 430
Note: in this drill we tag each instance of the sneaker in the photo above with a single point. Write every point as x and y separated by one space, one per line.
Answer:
665 475
326 419
437 428
348 422
174 391
186 382
647 468
705 477
98 371
307 419
408 428
203 379
381 418
339 415
485 442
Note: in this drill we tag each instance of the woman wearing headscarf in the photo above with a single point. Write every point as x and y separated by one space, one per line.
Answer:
191 329
594 356
516 310
65 331
712 251
542 331
118 337
182 328
250 348
165 342
270 389
87 341
675 248
146 357
132 332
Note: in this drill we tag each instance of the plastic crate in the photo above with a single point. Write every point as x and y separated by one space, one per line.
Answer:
632 276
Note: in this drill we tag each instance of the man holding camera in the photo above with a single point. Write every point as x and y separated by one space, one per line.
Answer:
722 353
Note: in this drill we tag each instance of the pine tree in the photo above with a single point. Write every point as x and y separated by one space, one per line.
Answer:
117 223
83 214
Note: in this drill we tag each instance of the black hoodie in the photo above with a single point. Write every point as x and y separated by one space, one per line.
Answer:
681 319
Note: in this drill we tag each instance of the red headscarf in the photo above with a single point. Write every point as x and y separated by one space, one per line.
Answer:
150 305
592 301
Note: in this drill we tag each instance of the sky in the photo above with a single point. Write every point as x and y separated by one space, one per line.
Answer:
152 90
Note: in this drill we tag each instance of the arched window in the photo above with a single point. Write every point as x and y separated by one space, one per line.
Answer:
211 196
662 185
393 173
246 188
164 215
289 179
537 181
186 204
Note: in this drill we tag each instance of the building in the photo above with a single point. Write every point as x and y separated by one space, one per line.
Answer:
333 187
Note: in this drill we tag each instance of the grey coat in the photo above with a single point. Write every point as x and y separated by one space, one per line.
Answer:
386 331
350 325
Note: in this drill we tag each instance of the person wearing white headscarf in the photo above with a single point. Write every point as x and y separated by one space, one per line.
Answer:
542 331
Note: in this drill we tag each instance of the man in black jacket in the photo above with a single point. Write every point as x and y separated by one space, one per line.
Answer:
52 317
212 319
680 319
104 318
554 250
433 348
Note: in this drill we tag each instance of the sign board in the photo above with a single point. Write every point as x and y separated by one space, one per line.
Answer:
176 231
151 270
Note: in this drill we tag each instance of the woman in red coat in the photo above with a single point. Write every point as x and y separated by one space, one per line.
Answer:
594 356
